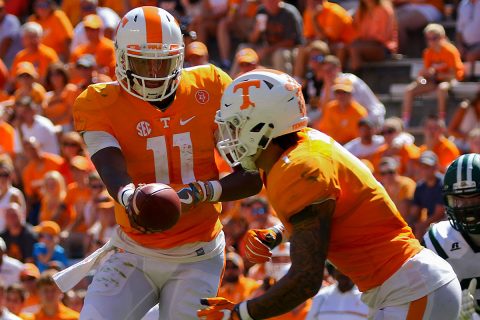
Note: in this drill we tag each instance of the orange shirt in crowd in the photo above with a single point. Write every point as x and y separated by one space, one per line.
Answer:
334 20
48 214
380 25
57 31
7 134
34 171
58 108
41 59
78 196
31 305
404 155
71 8
37 93
3 74
340 124
446 152
115 5
64 313
184 134
365 219
446 60
237 292
104 52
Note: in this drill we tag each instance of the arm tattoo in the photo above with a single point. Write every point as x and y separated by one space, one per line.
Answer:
308 251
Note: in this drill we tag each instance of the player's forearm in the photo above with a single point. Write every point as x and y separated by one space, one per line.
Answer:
240 184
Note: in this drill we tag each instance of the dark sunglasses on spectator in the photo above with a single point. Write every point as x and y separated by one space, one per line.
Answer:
96 186
258 211
27 278
4 174
70 144
87 8
42 5
231 266
45 235
318 58
433 38
384 173
388 131
245 64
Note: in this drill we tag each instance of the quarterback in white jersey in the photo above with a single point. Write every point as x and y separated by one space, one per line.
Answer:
458 240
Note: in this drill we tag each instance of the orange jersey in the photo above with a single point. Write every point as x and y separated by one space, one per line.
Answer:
446 151
341 124
447 59
104 52
335 22
403 154
379 25
64 313
173 147
239 291
77 197
58 108
41 59
369 239
57 31
34 171
7 133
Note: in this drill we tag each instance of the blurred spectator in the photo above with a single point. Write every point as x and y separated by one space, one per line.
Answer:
53 205
39 163
246 60
474 141
464 120
427 205
332 69
10 268
28 278
467 35
5 314
329 22
97 45
85 67
3 80
17 7
234 227
8 193
47 249
278 29
196 54
31 124
71 145
74 299
435 140
376 38
10 42
413 16
18 236
398 144
60 97
235 286
104 228
7 135
339 301
205 23
50 295
399 188
109 18
97 194
57 29
35 52
256 211
236 25
441 66
26 83
15 298
341 115
367 142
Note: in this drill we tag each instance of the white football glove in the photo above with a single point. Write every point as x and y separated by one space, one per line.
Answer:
469 304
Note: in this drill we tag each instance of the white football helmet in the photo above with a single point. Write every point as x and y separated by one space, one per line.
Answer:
256 107
149 50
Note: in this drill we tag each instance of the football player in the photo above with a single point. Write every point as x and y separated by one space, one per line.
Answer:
458 240
331 206
156 124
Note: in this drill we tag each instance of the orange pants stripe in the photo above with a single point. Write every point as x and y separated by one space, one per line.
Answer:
416 311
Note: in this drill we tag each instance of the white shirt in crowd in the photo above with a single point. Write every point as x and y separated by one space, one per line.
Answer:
468 21
10 28
43 130
10 270
5 201
331 304
109 18
7 315
360 150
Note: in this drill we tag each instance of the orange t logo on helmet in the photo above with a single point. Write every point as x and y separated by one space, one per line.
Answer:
245 87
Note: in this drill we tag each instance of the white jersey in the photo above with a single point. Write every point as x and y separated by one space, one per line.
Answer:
450 244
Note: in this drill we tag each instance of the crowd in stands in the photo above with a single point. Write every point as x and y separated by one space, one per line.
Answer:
54 208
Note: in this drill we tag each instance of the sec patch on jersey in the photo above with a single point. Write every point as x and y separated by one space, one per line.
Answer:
156 207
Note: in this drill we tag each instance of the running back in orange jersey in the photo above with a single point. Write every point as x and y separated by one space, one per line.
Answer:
175 146
369 238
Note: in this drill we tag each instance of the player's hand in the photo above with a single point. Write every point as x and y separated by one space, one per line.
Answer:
259 242
469 303
191 195
132 212
218 309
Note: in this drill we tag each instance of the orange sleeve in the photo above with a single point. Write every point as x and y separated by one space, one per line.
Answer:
308 29
27 179
427 58
455 62
65 25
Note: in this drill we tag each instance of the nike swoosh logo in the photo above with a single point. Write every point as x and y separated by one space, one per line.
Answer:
184 122
188 200
227 105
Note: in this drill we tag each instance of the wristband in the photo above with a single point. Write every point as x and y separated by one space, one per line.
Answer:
279 229
243 311
125 193
216 187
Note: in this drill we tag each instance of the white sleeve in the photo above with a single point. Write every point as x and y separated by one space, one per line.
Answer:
98 140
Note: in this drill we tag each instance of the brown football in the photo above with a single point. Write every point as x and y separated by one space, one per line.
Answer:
158 206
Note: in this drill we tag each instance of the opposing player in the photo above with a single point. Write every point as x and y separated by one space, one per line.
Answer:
332 207
458 241
156 124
